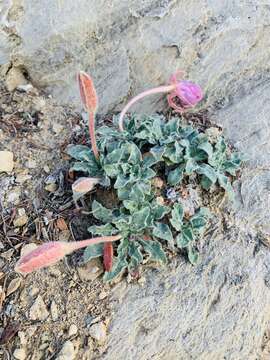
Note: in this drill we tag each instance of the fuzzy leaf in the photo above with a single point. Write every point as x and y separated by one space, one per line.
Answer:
121 181
224 182
91 168
149 160
120 263
119 266
191 166
101 213
111 170
207 148
135 155
140 219
93 251
131 205
207 171
186 236
81 153
154 249
175 176
157 152
163 231
134 251
159 211
193 255
206 183
177 217
103 230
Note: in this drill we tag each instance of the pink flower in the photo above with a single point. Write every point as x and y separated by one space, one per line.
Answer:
185 95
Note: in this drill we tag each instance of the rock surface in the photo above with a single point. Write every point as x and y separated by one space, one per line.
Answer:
129 46
218 310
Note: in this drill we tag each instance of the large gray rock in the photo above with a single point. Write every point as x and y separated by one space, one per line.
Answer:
218 310
131 45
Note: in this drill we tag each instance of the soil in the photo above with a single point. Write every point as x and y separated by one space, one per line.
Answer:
37 131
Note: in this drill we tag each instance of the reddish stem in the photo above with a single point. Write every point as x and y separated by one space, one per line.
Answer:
92 134
108 256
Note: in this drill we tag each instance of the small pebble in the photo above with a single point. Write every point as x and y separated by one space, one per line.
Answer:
72 330
31 164
98 332
38 310
51 187
6 161
54 311
14 196
19 354
91 270
102 295
67 352
20 221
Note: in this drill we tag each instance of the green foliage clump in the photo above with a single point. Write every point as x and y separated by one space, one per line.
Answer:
129 162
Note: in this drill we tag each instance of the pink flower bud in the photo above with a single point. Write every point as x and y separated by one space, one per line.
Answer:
51 252
87 91
83 185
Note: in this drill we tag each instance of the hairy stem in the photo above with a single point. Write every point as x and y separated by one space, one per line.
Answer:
103 239
157 90
92 134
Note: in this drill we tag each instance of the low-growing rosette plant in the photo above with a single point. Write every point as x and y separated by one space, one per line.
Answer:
142 163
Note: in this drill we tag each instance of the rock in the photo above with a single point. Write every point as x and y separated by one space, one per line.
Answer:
19 354
91 270
20 220
6 161
67 352
252 138
102 295
13 286
31 164
51 187
38 310
13 197
27 248
54 311
218 309
22 338
98 332
21 178
14 79
73 330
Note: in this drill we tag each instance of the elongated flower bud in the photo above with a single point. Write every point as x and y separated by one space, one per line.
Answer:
90 102
51 252
87 91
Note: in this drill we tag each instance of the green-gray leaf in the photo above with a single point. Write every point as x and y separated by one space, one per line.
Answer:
93 251
140 219
154 249
118 267
175 176
207 171
186 236
177 217
193 255
101 213
163 231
